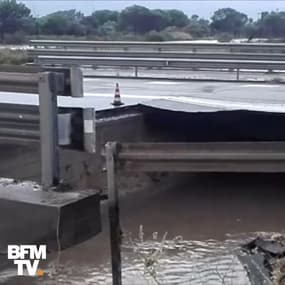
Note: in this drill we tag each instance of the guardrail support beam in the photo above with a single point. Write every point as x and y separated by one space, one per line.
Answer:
238 74
136 71
89 118
48 87
114 213
76 78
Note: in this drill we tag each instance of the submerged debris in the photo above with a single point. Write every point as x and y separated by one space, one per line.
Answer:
8 183
264 260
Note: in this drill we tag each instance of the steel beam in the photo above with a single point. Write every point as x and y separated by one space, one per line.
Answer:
166 63
24 79
34 53
19 82
161 46
21 133
203 157
21 123
114 214
18 117
181 157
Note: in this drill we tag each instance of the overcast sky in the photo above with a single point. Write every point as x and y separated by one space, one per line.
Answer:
203 8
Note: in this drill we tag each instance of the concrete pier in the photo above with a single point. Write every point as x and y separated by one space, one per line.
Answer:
29 215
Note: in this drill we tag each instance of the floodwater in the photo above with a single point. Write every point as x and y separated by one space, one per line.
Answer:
185 234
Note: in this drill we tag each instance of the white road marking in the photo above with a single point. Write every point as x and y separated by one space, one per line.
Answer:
262 85
223 104
88 126
163 82
232 105
86 79
126 96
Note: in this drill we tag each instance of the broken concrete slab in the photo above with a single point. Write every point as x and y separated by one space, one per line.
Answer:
261 258
270 246
254 265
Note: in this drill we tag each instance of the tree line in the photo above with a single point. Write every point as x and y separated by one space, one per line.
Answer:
16 22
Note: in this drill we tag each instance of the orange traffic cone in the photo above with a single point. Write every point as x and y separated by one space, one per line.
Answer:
117 98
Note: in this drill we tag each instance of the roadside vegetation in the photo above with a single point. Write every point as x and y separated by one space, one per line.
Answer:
13 57
18 25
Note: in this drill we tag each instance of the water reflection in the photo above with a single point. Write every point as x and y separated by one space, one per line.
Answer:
181 262
214 216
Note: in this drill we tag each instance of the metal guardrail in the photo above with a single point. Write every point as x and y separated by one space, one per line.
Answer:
34 53
29 124
163 63
18 82
154 62
161 46
202 157
25 79
182 157
19 124
182 55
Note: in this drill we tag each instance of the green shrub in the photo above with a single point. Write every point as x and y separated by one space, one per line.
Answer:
154 36
224 37
15 39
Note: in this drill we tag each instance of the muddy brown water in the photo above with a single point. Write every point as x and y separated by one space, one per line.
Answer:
206 218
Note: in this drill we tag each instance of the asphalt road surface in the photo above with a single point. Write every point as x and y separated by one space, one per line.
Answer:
99 93
249 75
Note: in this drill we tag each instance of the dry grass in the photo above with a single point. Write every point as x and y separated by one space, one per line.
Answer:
278 273
14 57
150 259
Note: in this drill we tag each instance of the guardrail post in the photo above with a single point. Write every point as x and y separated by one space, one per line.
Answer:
136 71
238 74
89 118
114 214
76 78
49 84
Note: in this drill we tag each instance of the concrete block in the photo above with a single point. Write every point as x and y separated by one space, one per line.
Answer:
59 220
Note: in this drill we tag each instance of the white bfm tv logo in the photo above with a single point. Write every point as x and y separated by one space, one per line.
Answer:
27 256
